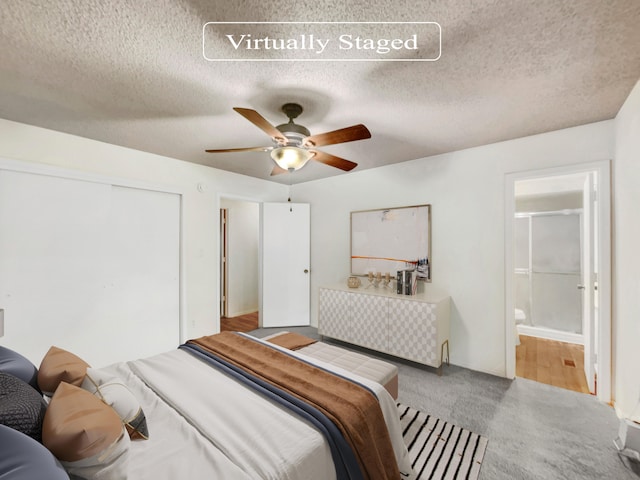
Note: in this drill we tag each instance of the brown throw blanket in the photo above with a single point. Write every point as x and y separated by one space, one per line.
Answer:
291 340
352 408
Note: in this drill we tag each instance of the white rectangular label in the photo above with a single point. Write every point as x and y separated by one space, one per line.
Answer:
322 41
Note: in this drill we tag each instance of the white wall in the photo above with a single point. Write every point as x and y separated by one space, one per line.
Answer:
626 266
243 244
200 209
466 191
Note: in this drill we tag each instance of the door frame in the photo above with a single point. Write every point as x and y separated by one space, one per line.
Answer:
603 171
224 270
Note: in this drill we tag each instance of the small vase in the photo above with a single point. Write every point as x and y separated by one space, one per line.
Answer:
353 282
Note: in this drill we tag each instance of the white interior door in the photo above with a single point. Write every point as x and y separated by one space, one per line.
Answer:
588 284
285 247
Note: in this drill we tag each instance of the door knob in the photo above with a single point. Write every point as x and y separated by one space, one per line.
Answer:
581 287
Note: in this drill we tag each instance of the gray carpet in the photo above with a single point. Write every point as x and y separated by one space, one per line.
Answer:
535 431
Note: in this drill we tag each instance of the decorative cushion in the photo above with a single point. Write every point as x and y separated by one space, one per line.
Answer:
113 392
57 366
23 458
21 406
85 434
18 366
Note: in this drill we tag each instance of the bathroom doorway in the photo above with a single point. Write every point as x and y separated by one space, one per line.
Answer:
549 304
558 277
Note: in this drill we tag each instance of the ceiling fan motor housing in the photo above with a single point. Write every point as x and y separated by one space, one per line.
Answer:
295 133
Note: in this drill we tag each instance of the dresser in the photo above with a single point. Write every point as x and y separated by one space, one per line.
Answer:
413 327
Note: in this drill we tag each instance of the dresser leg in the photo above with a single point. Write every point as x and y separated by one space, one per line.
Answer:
446 342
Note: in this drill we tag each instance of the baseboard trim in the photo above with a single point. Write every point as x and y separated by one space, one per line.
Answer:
231 314
550 334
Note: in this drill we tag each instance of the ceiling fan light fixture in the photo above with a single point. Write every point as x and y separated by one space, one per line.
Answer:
291 158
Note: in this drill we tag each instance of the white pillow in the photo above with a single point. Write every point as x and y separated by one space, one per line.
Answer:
115 393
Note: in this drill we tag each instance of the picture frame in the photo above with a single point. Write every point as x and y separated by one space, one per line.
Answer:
387 240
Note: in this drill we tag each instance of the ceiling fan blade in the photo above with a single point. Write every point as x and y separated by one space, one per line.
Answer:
277 170
247 149
262 123
332 160
348 134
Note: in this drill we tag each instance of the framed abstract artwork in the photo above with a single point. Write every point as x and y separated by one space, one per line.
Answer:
391 239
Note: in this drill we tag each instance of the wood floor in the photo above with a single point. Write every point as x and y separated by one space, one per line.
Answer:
554 363
242 323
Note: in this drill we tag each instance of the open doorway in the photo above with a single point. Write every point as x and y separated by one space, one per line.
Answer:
548 248
558 277
239 265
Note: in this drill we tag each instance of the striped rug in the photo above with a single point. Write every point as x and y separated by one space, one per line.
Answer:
440 450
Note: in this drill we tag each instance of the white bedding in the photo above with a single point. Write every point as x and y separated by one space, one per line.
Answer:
205 425
175 449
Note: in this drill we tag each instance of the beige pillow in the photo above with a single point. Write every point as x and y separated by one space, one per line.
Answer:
85 434
114 392
57 366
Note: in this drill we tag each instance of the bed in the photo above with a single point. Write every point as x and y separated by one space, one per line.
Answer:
201 422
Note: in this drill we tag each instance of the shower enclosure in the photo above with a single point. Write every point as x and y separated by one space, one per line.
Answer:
548 274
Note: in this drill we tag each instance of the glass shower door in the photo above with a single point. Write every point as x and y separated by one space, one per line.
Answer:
522 263
556 272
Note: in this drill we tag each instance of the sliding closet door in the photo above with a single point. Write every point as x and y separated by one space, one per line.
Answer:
90 267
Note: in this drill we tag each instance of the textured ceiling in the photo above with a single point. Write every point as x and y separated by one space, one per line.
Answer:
134 74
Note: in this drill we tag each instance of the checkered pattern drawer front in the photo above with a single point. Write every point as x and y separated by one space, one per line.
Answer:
413 332
333 314
369 323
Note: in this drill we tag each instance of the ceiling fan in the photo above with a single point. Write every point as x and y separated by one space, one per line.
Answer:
293 145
